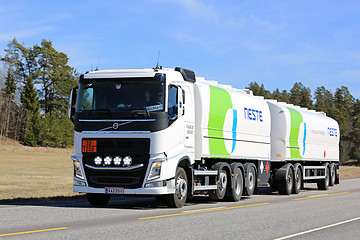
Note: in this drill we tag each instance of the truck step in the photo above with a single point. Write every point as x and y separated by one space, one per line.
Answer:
205 187
205 172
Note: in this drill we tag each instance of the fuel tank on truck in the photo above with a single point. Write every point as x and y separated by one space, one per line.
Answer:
230 123
299 134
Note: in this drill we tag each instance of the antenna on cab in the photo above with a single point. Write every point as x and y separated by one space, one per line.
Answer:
157 63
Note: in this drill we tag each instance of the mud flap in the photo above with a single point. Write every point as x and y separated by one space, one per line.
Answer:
263 173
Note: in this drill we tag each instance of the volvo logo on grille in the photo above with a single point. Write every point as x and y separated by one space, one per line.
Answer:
115 126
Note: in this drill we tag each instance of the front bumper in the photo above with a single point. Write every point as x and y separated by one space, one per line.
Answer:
168 189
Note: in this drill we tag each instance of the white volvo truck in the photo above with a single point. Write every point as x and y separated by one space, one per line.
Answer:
169 134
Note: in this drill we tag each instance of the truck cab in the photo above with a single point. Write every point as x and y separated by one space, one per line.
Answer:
133 128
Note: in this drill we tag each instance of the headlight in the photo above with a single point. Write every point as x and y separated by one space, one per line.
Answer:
98 160
107 160
155 170
77 170
127 161
117 161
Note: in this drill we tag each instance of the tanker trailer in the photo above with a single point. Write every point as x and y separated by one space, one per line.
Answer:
304 148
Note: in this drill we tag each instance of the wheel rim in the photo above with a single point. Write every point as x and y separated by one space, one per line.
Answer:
251 179
238 185
223 180
333 174
298 179
181 188
327 176
289 179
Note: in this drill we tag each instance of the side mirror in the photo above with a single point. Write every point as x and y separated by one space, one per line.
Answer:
72 103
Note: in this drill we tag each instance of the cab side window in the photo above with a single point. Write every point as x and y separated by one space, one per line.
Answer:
172 104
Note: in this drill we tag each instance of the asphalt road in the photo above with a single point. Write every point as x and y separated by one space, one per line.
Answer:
312 214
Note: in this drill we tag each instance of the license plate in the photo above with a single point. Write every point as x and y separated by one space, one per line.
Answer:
114 190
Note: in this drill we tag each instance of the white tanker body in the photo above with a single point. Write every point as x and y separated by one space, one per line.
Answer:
199 138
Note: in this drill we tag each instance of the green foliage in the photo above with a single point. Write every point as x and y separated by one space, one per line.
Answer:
301 96
45 66
10 86
340 106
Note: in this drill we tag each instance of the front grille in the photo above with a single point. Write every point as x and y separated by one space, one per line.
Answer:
137 149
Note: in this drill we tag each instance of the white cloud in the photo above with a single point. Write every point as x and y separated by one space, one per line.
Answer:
25 33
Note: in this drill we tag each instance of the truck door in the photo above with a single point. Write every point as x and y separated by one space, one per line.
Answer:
189 116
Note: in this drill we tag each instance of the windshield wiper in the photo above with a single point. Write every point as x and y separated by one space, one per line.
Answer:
98 110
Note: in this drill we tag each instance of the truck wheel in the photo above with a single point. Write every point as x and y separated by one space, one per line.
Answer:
178 199
219 193
251 180
332 175
237 189
285 186
297 179
323 184
98 199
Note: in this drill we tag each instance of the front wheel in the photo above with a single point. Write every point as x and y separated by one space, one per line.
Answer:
97 199
178 199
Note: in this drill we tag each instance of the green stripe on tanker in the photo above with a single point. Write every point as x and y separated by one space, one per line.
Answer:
296 120
220 102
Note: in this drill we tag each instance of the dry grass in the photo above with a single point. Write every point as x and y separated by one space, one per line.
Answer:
47 172
35 172
349 172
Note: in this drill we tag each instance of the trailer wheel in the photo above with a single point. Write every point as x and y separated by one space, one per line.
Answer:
297 179
285 186
323 184
332 175
97 199
219 193
237 189
178 199
251 180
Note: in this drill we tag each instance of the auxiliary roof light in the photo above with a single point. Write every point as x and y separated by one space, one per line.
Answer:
127 161
107 160
98 160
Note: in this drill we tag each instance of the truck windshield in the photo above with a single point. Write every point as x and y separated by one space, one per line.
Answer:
122 95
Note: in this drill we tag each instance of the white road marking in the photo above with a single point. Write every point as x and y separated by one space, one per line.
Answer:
317 229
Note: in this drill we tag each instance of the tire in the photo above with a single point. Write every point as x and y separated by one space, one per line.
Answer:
220 192
332 178
251 182
98 199
178 199
297 179
285 186
237 190
323 184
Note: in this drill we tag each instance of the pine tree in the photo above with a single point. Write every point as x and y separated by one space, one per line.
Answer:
276 94
10 86
324 99
285 96
30 101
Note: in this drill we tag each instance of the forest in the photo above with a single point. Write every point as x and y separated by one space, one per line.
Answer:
35 84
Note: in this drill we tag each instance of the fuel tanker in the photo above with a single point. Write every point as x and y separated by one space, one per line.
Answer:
172 135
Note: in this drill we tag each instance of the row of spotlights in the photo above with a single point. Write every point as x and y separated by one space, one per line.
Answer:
126 161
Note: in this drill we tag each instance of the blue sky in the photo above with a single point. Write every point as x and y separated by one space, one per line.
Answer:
235 42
